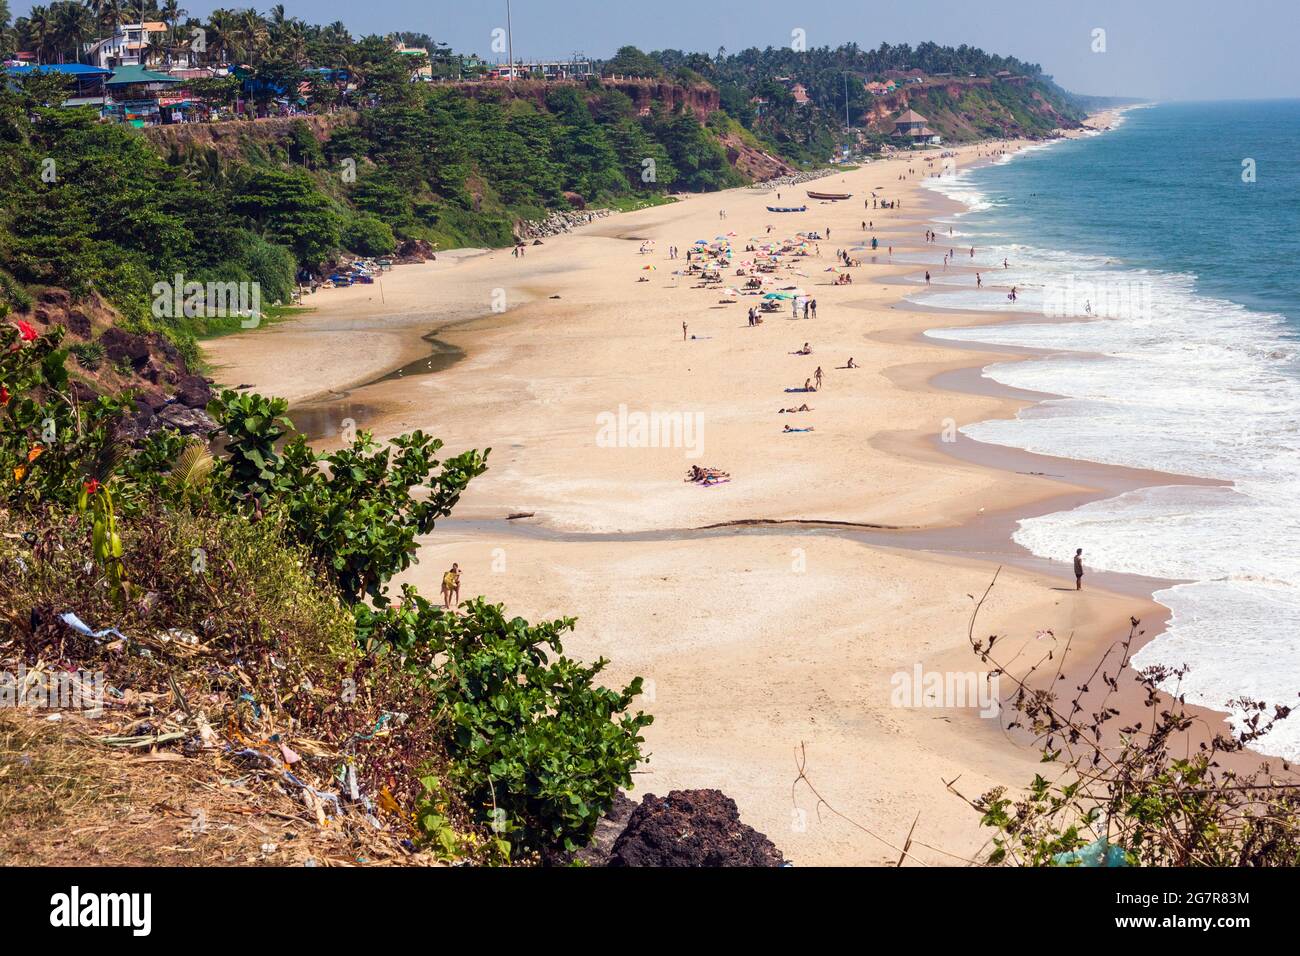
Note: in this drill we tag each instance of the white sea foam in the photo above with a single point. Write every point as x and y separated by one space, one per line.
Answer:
1187 384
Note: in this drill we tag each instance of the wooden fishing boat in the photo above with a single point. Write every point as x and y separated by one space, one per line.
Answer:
831 196
787 208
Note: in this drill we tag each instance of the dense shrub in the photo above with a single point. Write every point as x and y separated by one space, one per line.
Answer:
368 235
538 748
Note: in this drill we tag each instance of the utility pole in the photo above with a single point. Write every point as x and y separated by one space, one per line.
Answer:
510 44
846 101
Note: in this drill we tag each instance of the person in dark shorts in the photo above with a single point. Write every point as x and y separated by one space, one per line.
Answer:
1078 569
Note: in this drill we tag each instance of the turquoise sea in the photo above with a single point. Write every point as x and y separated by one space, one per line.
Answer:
1173 240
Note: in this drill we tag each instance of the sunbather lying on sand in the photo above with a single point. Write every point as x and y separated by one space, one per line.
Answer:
802 408
789 430
706 474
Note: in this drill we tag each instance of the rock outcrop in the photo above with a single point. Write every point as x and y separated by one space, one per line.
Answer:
558 222
691 828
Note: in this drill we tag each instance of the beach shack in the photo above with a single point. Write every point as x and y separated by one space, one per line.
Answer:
911 125
135 93
86 86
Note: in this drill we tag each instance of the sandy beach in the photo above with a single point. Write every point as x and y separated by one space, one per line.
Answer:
771 613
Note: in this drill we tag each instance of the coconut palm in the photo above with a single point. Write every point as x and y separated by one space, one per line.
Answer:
36 31
73 25
221 33
254 38
171 13
109 14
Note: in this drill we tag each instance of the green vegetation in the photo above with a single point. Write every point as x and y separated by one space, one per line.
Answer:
834 79
300 548
1166 790
89 206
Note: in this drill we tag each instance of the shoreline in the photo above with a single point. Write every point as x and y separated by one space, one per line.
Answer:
599 551
1101 479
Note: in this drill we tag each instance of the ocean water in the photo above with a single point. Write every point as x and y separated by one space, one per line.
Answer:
1182 280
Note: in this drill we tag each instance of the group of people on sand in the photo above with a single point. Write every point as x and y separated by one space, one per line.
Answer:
704 475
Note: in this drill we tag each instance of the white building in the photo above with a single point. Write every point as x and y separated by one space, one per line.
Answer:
128 46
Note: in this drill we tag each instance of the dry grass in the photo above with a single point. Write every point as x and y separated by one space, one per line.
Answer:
67 800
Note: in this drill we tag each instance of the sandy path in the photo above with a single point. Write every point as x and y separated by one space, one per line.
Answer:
755 642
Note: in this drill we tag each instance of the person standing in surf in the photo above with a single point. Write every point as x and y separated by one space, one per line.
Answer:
1078 569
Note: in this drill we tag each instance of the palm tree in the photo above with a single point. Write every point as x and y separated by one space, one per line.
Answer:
221 31
157 49
293 43
171 13
72 25
108 14
37 31
253 35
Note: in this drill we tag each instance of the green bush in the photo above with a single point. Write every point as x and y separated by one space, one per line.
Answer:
48 444
357 513
538 748
368 235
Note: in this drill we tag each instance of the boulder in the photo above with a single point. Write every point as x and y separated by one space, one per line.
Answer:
82 391
159 344
121 346
415 250
150 401
193 391
57 298
187 421
78 323
47 315
691 828
152 370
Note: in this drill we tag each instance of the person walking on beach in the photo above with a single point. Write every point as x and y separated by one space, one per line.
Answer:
927 276
979 283
451 587
813 304
1078 569
818 376
683 331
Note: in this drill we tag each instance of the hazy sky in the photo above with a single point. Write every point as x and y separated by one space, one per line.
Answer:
1163 49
